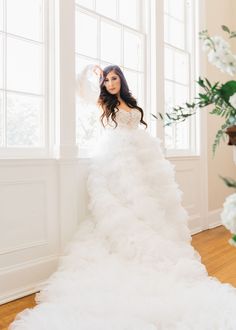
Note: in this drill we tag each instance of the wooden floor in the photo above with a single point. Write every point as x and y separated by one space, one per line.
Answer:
8 311
218 256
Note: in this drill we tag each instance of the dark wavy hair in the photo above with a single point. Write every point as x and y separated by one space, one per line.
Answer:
110 102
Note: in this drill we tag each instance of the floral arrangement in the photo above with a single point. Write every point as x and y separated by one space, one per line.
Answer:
223 99
228 216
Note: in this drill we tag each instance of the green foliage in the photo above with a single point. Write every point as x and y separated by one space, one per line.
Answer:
232 34
229 182
225 28
213 94
228 89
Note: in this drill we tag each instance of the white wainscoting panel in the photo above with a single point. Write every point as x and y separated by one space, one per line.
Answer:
23 223
38 215
191 182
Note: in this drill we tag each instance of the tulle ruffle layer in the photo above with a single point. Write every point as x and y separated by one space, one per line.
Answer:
130 265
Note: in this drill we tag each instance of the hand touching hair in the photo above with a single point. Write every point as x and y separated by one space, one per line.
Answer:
98 71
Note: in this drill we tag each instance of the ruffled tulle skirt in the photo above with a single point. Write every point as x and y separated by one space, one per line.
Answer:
130 265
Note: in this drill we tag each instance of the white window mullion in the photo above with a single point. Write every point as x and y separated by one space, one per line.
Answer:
122 46
118 10
99 40
4 74
45 79
156 69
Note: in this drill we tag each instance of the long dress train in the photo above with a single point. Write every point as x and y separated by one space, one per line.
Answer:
131 265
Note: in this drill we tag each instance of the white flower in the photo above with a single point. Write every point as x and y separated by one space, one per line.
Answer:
207 45
228 215
220 55
232 100
213 57
220 43
231 68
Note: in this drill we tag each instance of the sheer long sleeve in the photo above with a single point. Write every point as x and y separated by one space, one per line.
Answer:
87 85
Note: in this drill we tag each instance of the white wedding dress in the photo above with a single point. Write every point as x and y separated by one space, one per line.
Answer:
131 265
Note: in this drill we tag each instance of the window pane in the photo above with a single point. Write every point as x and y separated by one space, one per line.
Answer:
181 94
88 127
107 8
1 15
81 63
86 3
140 95
166 6
111 43
24 66
181 65
1 118
129 12
182 135
132 51
132 80
174 32
166 28
169 103
24 18
169 137
176 9
1 61
24 121
86 34
169 95
169 63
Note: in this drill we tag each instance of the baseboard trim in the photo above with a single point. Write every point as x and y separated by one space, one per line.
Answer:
30 278
22 292
194 224
214 218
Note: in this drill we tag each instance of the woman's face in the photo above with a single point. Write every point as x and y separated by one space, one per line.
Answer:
112 83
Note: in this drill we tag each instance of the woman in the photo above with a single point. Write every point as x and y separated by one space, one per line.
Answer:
131 265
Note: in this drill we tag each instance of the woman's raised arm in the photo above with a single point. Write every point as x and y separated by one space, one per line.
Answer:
87 84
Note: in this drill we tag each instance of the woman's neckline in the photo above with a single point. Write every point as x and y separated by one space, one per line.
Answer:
125 110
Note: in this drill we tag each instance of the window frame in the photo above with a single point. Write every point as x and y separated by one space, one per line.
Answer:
158 92
48 82
190 15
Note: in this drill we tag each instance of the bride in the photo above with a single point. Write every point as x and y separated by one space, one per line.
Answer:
130 265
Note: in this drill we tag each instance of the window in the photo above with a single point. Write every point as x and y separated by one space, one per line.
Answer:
179 71
108 32
22 78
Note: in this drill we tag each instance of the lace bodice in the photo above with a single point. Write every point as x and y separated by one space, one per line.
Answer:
126 119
